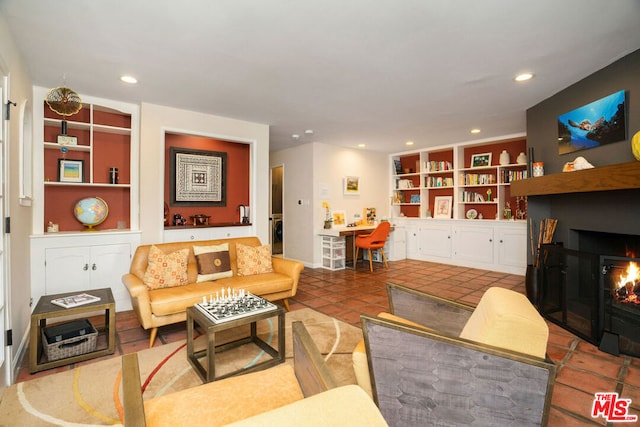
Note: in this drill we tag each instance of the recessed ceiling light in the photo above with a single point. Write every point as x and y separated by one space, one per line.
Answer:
523 77
476 130
295 136
361 145
408 143
129 79
308 132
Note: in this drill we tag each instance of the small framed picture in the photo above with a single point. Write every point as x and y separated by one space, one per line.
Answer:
70 170
442 206
351 185
338 217
481 160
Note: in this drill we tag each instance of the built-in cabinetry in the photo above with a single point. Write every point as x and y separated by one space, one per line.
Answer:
185 234
105 136
81 262
478 190
491 245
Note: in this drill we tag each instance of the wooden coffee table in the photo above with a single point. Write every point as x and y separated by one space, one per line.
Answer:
46 310
207 368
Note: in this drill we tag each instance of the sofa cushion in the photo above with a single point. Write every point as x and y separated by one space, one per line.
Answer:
213 262
506 319
221 402
166 270
253 259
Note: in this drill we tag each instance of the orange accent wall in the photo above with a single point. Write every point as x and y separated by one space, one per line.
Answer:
237 179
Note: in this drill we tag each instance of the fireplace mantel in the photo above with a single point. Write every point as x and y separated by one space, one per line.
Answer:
623 176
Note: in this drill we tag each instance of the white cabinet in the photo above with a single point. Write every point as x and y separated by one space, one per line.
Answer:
474 243
397 245
435 239
511 246
489 245
207 233
69 263
86 267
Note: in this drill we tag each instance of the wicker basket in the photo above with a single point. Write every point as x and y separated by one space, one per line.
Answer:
69 339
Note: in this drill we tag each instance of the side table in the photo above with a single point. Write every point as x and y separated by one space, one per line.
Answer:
45 310
207 369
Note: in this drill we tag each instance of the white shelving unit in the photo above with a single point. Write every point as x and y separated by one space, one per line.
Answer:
333 252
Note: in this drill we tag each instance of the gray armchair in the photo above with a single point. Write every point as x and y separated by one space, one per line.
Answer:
431 376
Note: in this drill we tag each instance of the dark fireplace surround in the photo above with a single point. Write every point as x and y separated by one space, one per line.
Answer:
598 232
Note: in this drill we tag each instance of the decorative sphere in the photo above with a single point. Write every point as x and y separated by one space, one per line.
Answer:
91 211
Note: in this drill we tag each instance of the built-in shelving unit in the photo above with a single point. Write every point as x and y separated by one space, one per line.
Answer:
481 192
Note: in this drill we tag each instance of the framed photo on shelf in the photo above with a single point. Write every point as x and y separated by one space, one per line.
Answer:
480 160
442 206
198 177
70 170
351 185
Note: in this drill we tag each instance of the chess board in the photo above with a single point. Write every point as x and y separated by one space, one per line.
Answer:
221 310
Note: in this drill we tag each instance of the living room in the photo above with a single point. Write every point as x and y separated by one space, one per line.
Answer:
314 171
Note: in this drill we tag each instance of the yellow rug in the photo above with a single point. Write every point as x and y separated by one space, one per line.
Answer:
91 394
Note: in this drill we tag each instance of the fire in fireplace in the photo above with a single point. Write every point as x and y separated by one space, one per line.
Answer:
593 289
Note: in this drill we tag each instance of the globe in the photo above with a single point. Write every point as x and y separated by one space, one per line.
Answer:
91 211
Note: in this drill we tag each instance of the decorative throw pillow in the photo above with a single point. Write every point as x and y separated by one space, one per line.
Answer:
166 270
213 262
253 259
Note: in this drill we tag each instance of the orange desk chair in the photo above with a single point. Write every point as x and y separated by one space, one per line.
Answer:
374 240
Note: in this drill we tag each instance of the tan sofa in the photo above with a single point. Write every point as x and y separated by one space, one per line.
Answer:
160 307
303 395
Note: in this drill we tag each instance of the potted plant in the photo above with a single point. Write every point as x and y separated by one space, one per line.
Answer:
327 215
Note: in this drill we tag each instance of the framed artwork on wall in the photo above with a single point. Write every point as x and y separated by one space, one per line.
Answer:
351 185
198 177
442 206
70 170
338 217
598 123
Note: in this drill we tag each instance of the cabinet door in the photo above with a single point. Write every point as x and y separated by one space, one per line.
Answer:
108 264
474 243
413 245
512 247
435 240
66 270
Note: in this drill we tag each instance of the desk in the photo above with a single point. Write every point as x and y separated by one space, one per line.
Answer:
349 234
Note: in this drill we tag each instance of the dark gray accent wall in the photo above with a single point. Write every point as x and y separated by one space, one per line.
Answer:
613 211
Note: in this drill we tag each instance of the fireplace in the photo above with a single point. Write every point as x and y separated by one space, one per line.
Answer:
593 289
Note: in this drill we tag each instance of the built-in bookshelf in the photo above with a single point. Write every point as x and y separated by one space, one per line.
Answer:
477 192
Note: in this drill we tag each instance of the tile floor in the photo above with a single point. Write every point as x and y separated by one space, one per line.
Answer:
582 368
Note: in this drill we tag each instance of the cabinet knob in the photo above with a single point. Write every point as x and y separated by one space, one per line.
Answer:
500 240
490 240
93 267
86 267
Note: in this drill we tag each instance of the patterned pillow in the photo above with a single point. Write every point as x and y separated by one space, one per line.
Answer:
213 262
166 270
253 259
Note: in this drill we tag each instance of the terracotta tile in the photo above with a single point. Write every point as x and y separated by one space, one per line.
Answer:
633 393
556 353
560 418
574 401
592 363
588 382
633 375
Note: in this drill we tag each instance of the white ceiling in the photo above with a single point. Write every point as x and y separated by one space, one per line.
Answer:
378 72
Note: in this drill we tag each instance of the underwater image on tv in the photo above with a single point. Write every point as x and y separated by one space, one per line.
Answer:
597 123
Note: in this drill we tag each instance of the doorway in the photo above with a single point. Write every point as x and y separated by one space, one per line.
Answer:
276 219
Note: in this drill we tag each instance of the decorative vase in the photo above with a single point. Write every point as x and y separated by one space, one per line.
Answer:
505 159
522 158
327 225
531 284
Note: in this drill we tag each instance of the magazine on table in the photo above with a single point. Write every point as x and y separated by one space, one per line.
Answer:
75 300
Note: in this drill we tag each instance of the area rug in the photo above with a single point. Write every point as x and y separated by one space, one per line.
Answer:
91 394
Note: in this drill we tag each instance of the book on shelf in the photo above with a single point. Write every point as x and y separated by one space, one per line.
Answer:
75 300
